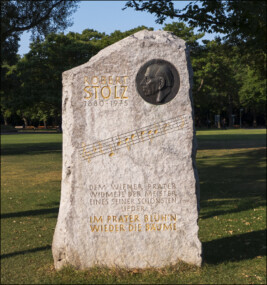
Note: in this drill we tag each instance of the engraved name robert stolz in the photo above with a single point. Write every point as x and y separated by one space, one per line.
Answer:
111 145
105 87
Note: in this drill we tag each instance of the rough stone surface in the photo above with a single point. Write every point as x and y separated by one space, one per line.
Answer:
139 190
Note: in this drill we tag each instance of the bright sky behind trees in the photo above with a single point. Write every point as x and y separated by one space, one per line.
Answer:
107 16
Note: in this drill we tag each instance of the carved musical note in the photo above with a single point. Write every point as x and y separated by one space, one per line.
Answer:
148 133
127 143
119 142
142 133
86 154
94 148
152 133
100 147
165 127
182 124
111 152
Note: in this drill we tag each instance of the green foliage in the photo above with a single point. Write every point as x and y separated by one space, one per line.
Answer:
40 71
7 129
118 35
8 93
253 90
216 89
41 17
185 33
240 21
225 77
232 221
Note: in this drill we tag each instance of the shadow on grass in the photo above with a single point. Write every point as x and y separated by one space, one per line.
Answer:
205 142
31 148
235 248
30 213
239 247
236 183
237 207
230 141
37 249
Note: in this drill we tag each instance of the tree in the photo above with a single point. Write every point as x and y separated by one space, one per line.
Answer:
215 85
8 92
240 21
252 93
41 17
118 35
214 82
235 69
40 70
185 33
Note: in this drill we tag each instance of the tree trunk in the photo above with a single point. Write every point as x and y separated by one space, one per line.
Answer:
5 120
25 122
45 124
58 123
230 110
254 119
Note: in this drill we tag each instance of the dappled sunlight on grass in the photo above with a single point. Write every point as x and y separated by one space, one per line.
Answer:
232 218
231 139
233 132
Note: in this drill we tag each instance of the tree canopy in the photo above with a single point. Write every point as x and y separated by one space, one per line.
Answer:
240 21
184 32
33 85
227 77
229 73
40 17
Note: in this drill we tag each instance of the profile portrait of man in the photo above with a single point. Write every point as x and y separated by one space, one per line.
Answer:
158 81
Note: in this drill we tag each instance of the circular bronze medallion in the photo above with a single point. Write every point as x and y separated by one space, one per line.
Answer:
157 81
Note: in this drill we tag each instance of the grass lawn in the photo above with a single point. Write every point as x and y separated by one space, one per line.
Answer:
232 170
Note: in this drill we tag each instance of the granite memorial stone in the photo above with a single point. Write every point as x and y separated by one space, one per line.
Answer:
129 194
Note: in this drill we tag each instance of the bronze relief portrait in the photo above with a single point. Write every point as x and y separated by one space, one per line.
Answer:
157 81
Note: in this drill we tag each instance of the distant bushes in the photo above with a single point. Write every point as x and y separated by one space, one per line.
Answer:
8 129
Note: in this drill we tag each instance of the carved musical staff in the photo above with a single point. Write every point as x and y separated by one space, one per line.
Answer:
111 145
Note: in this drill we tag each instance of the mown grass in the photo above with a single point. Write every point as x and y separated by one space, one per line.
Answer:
231 165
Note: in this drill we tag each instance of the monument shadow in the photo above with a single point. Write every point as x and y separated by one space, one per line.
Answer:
31 148
37 249
31 213
235 248
230 141
234 182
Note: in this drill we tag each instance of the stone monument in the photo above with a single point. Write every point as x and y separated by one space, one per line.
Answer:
129 194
